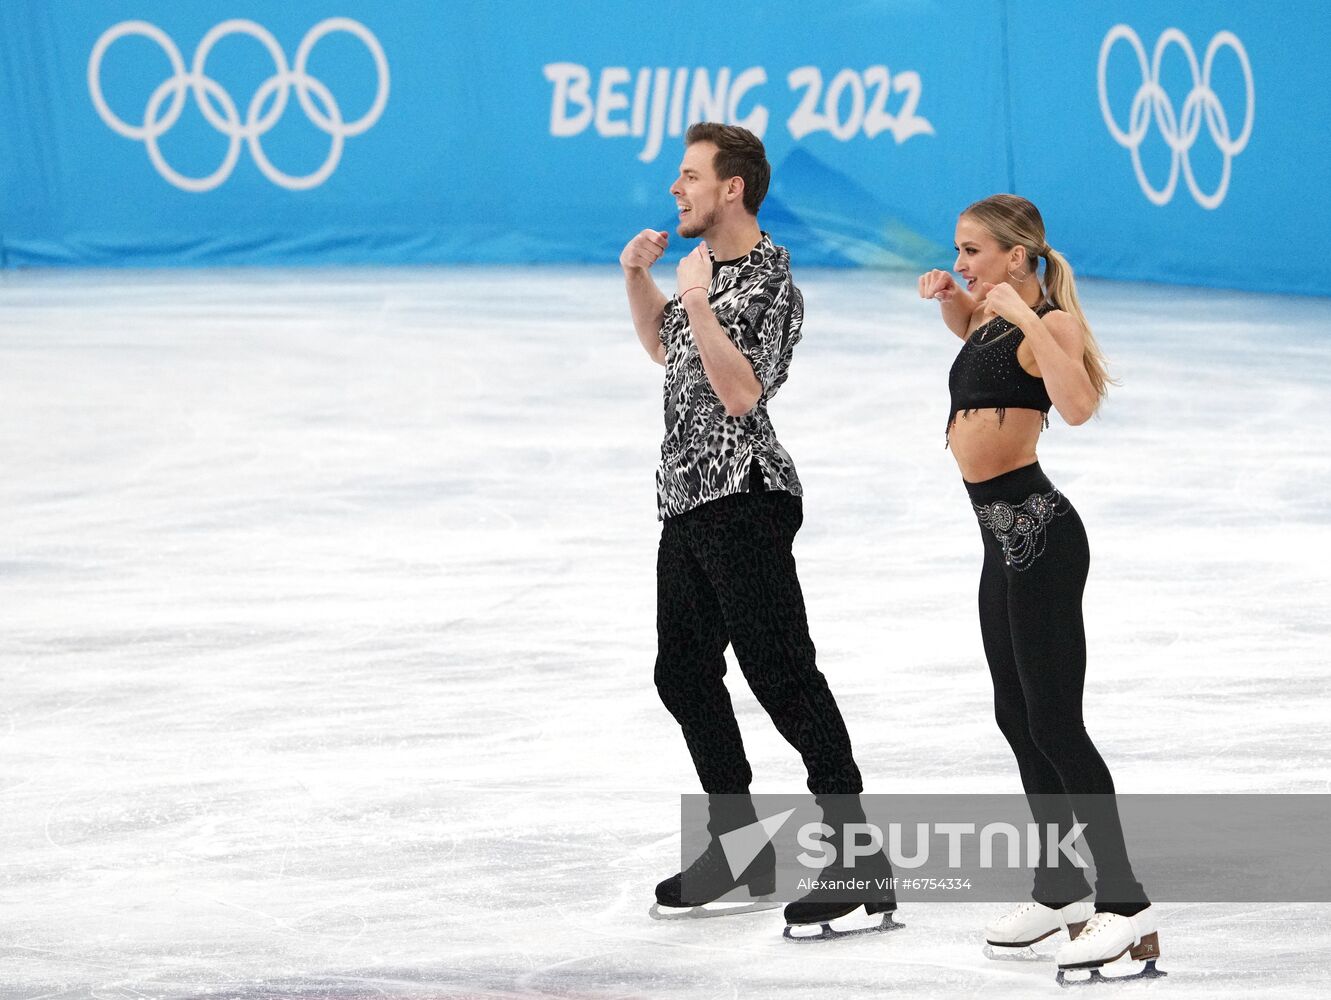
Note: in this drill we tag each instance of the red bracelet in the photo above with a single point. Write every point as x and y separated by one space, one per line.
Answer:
689 289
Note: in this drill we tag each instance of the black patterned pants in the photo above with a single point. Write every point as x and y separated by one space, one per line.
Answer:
1035 641
726 576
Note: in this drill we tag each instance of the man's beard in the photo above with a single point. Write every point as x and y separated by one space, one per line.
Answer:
696 227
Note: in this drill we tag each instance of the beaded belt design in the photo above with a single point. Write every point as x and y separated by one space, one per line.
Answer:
1020 528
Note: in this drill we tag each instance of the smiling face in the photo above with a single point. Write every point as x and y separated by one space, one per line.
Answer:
699 194
980 258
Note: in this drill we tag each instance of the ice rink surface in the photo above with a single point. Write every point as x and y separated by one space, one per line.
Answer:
327 629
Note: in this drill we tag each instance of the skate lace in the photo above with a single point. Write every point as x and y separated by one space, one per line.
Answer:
711 862
1021 912
1097 923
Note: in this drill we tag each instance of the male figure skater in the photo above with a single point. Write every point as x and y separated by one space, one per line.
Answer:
729 500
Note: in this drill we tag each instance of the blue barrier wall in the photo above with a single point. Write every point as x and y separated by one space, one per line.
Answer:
1164 141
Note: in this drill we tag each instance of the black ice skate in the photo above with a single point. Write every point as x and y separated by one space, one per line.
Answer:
708 888
813 920
845 901
831 910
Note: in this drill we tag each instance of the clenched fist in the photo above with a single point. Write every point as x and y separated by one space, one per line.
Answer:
938 285
644 250
694 270
1004 300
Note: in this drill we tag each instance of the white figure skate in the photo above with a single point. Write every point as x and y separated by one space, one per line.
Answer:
1106 938
1011 936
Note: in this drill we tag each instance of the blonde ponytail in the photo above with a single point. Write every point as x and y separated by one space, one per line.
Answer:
1014 221
1060 290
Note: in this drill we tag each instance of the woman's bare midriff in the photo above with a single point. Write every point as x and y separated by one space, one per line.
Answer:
984 449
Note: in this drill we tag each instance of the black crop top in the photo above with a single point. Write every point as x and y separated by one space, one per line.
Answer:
987 375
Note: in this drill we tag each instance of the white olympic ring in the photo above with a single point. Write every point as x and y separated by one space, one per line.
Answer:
1179 131
206 90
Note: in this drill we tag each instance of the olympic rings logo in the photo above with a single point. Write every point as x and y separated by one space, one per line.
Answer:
1180 130
173 91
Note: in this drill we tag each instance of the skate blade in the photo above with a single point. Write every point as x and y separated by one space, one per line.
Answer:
1022 953
1095 976
842 927
659 912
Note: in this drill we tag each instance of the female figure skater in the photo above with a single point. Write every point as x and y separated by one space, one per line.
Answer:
1027 346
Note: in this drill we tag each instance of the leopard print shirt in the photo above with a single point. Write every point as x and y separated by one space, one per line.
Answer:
707 454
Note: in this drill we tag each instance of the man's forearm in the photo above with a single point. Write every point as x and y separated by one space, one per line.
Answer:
728 370
647 306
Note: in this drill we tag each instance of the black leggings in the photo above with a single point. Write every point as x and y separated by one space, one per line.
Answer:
725 575
1035 563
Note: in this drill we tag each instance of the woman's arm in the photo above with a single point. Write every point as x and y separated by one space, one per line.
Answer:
1058 343
958 305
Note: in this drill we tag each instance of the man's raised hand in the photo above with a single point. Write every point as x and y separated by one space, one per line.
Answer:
644 250
694 270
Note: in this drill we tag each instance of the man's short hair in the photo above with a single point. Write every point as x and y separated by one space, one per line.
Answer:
739 153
